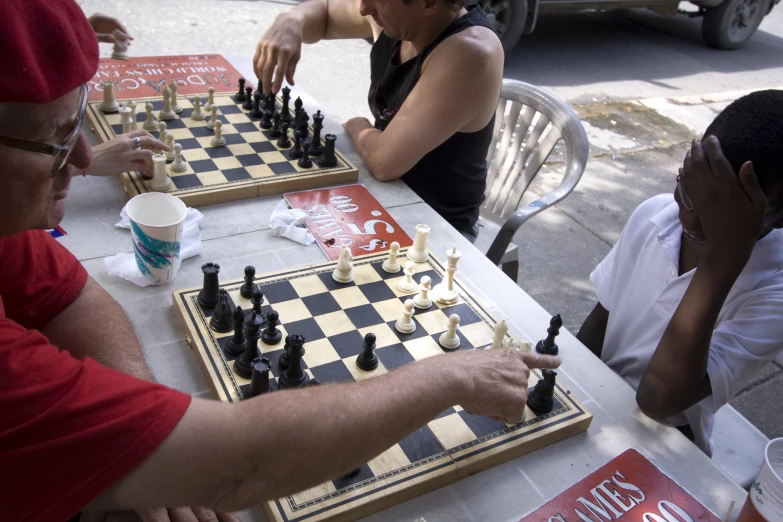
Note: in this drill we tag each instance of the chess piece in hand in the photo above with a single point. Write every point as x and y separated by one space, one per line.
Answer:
122 154
104 27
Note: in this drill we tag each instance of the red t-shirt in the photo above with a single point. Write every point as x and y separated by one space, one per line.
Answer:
69 428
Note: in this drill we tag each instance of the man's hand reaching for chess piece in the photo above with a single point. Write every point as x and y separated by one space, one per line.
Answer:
124 153
104 27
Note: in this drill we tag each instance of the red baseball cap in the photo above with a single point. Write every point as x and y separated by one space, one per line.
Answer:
48 49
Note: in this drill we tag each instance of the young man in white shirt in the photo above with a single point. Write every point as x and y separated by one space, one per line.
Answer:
691 296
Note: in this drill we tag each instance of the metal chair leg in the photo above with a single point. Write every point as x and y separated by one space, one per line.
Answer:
511 269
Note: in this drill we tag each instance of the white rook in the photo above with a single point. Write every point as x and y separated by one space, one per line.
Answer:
161 181
418 252
126 119
109 103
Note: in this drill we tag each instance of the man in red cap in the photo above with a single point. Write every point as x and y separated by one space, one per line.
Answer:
82 425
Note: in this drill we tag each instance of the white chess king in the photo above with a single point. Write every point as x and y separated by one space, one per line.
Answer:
445 292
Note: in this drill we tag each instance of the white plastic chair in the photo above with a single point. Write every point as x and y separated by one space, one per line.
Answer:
529 123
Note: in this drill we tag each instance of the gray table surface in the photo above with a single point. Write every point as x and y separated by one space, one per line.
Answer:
236 234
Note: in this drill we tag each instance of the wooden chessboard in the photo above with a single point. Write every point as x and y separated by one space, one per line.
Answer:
333 318
250 164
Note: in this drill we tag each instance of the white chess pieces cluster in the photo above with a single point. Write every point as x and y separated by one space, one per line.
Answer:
109 102
501 329
212 117
405 323
210 99
422 299
218 140
179 164
418 252
445 293
391 265
197 114
174 105
166 113
161 182
343 272
149 124
407 284
449 340
120 45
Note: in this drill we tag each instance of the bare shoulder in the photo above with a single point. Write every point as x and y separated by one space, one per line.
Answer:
476 47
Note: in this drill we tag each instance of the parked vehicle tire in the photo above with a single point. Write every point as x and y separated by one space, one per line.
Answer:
730 24
508 18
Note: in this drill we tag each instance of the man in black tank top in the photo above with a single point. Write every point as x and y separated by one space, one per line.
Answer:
436 72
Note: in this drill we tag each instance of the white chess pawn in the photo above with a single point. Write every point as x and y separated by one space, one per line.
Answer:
210 99
422 300
405 323
212 117
134 119
174 105
161 182
170 143
149 123
162 131
343 272
179 164
501 328
218 140
418 252
197 114
166 113
125 119
407 284
109 103
449 339
391 265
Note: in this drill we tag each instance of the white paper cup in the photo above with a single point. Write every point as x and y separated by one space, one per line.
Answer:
766 493
157 221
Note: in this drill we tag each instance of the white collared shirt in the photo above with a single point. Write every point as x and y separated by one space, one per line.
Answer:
638 283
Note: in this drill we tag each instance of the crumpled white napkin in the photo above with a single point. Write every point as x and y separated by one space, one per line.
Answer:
285 222
124 264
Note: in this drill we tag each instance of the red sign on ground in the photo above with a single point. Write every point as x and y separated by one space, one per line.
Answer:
630 488
143 77
348 215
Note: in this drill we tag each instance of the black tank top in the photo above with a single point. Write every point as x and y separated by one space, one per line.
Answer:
451 178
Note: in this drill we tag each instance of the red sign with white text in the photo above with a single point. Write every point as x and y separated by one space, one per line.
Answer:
144 77
629 488
348 215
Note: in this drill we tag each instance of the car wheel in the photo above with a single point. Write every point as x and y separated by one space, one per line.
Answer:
507 18
730 24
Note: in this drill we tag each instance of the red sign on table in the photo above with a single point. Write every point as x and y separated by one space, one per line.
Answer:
143 77
628 488
348 215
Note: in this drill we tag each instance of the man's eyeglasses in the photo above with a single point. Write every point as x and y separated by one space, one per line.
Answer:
61 152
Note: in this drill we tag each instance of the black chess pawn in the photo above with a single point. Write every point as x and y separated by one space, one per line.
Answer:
367 360
276 131
240 95
297 112
236 345
296 150
295 376
246 290
264 100
208 296
270 102
256 111
328 157
285 113
221 317
271 334
304 118
259 382
266 120
248 103
285 358
284 142
541 399
257 298
316 148
305 162
242 364
547 346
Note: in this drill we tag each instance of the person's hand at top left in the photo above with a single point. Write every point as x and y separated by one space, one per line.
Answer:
124 153
104 26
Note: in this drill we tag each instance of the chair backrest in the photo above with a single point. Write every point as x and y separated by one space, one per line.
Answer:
529 123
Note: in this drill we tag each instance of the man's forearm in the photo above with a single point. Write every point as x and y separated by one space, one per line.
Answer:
676 377
367 140
95 325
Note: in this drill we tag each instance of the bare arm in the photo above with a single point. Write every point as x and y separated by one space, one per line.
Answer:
95 325
593 330
279 50
444 101
230 456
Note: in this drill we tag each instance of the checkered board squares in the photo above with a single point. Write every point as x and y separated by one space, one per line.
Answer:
250 164
334 318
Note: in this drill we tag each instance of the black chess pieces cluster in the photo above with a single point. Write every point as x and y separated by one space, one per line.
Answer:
296 150
294 376
242 364
208 296
259 381
328 157
285 358
275 131
367 360
236 344
315 144
284 142
305 162
248 102
547 346
246 290
256 111
240 95
541 399
285 112
257 299
271 335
